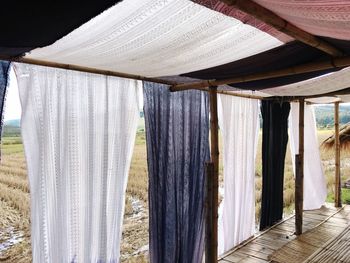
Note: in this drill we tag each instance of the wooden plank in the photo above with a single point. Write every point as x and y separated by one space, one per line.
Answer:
210 240
214 152
299 178
87 69
253 253
235 257
337 186
253 260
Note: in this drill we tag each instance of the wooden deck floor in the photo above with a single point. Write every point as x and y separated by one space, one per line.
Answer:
335 251
279 244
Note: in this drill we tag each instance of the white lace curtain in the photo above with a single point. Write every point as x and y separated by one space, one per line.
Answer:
78 131
315 189
239 124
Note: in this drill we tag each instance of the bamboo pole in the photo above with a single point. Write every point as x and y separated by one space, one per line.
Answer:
299 175
214 150
337 192
270 18
309 67
209 237
87 69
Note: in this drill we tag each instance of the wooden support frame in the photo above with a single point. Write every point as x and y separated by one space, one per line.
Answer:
305 68
209 235
214 151
299 173
87 70
271 19
337 186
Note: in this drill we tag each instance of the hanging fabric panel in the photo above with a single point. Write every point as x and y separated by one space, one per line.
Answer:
78 131
239 123
4 75
274 145
177 132
315 188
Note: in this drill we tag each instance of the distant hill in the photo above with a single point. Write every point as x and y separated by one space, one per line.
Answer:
13 123
12 128
325 115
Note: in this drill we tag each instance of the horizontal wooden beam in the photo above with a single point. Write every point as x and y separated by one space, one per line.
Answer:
241 95
87 69
284 26
305 68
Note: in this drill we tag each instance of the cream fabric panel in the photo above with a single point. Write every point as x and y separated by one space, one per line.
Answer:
239 124
78 131
157 38
315 189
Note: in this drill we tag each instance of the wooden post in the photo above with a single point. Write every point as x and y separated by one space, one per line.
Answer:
299 173
214 149
337 192
209 255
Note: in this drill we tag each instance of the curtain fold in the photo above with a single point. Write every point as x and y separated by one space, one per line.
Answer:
4 76
177 132
78 132
239 123
315 188
274 144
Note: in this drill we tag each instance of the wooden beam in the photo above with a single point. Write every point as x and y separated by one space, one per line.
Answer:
240 95
337 192
299 175
209 235
282 25
214 151
305 68
87 69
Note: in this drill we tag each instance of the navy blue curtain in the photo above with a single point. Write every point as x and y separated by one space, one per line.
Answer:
274 144
4 70
177 133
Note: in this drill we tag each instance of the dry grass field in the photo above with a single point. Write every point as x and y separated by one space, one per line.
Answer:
15 208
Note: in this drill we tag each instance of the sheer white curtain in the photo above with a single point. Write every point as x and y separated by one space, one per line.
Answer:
315 189
239 124
78 131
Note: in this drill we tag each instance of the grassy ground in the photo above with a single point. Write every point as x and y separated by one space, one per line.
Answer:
15 208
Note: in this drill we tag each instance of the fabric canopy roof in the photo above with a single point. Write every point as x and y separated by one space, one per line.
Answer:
158 38
329 18
200 39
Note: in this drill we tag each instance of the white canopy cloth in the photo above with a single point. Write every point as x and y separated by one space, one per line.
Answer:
315 189
157 38
239 122
78 131
326 83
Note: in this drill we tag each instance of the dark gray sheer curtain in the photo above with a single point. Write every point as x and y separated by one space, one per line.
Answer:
177 133
4 70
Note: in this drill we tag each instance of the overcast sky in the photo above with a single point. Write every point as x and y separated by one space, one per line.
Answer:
12 104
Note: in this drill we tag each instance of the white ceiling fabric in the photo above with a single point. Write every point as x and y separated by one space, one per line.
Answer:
157 38
327 83
323 100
